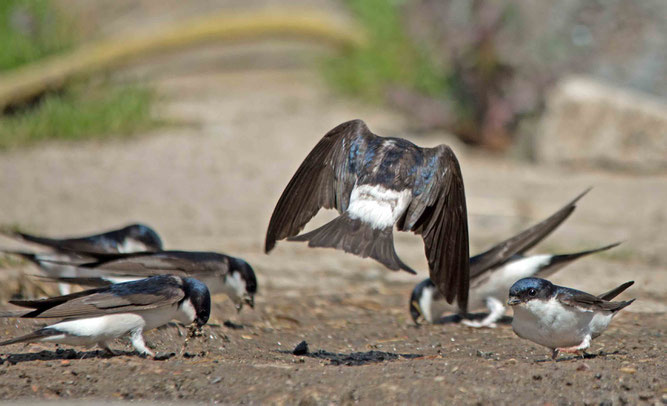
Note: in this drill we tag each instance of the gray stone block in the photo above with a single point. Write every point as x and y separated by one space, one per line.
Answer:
588 123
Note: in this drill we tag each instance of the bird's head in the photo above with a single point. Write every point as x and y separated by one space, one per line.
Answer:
145 235
198 294
241 283
425 287
527 289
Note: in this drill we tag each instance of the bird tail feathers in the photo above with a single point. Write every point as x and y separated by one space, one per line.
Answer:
356 237
616 291
559 261
623 305
13 313
30 256
34 336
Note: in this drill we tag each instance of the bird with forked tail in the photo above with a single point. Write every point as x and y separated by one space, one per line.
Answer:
496 269
66 253
98 316
376 183
562 319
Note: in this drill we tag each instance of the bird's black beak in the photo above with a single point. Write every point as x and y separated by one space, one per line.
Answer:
513 301
249 300
415 312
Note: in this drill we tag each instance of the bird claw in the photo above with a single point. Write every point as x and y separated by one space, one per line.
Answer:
195 331
478 324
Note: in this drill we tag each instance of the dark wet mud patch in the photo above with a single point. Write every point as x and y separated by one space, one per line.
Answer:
351 359
61 354
359 358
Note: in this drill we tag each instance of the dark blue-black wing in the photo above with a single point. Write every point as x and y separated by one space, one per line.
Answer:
325 179
438 213
139 295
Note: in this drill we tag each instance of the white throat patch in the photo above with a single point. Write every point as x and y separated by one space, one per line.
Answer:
188 312
432 309
131 245
235 287
378 206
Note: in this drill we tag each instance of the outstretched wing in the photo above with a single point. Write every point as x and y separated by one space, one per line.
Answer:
521 242
144 294
325 179
438 213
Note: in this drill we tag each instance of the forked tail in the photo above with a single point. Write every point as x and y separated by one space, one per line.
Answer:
356 237
34 336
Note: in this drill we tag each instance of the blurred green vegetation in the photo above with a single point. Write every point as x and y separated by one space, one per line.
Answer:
78 113
390 59
33 29
30 30
440 82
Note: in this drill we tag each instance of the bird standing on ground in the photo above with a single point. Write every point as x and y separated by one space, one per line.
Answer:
375 183
97 316
75 250
221 273
131 238
560 318
494 271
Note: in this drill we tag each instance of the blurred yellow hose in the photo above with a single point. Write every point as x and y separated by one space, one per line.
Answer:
51 73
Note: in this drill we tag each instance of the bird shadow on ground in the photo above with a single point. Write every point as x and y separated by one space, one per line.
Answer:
580 357
457 318
61 354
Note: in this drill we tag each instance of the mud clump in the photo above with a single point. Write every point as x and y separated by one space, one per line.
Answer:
301 348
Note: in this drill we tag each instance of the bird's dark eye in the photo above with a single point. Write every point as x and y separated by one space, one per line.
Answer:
532 292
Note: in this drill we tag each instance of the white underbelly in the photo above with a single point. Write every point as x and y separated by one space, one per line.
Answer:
55 269
378 206
501 279
555 326
433 309
92 330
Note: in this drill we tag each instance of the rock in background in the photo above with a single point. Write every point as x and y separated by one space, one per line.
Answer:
593 124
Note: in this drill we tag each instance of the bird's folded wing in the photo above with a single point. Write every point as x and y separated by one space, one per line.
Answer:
121 298
616 291
325 179
438 213
587 302
82 245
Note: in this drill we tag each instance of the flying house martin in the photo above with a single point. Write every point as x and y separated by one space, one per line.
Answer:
376 183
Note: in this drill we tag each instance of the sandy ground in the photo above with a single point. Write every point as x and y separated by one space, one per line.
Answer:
210 183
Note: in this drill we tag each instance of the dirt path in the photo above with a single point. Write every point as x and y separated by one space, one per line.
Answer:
211 184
